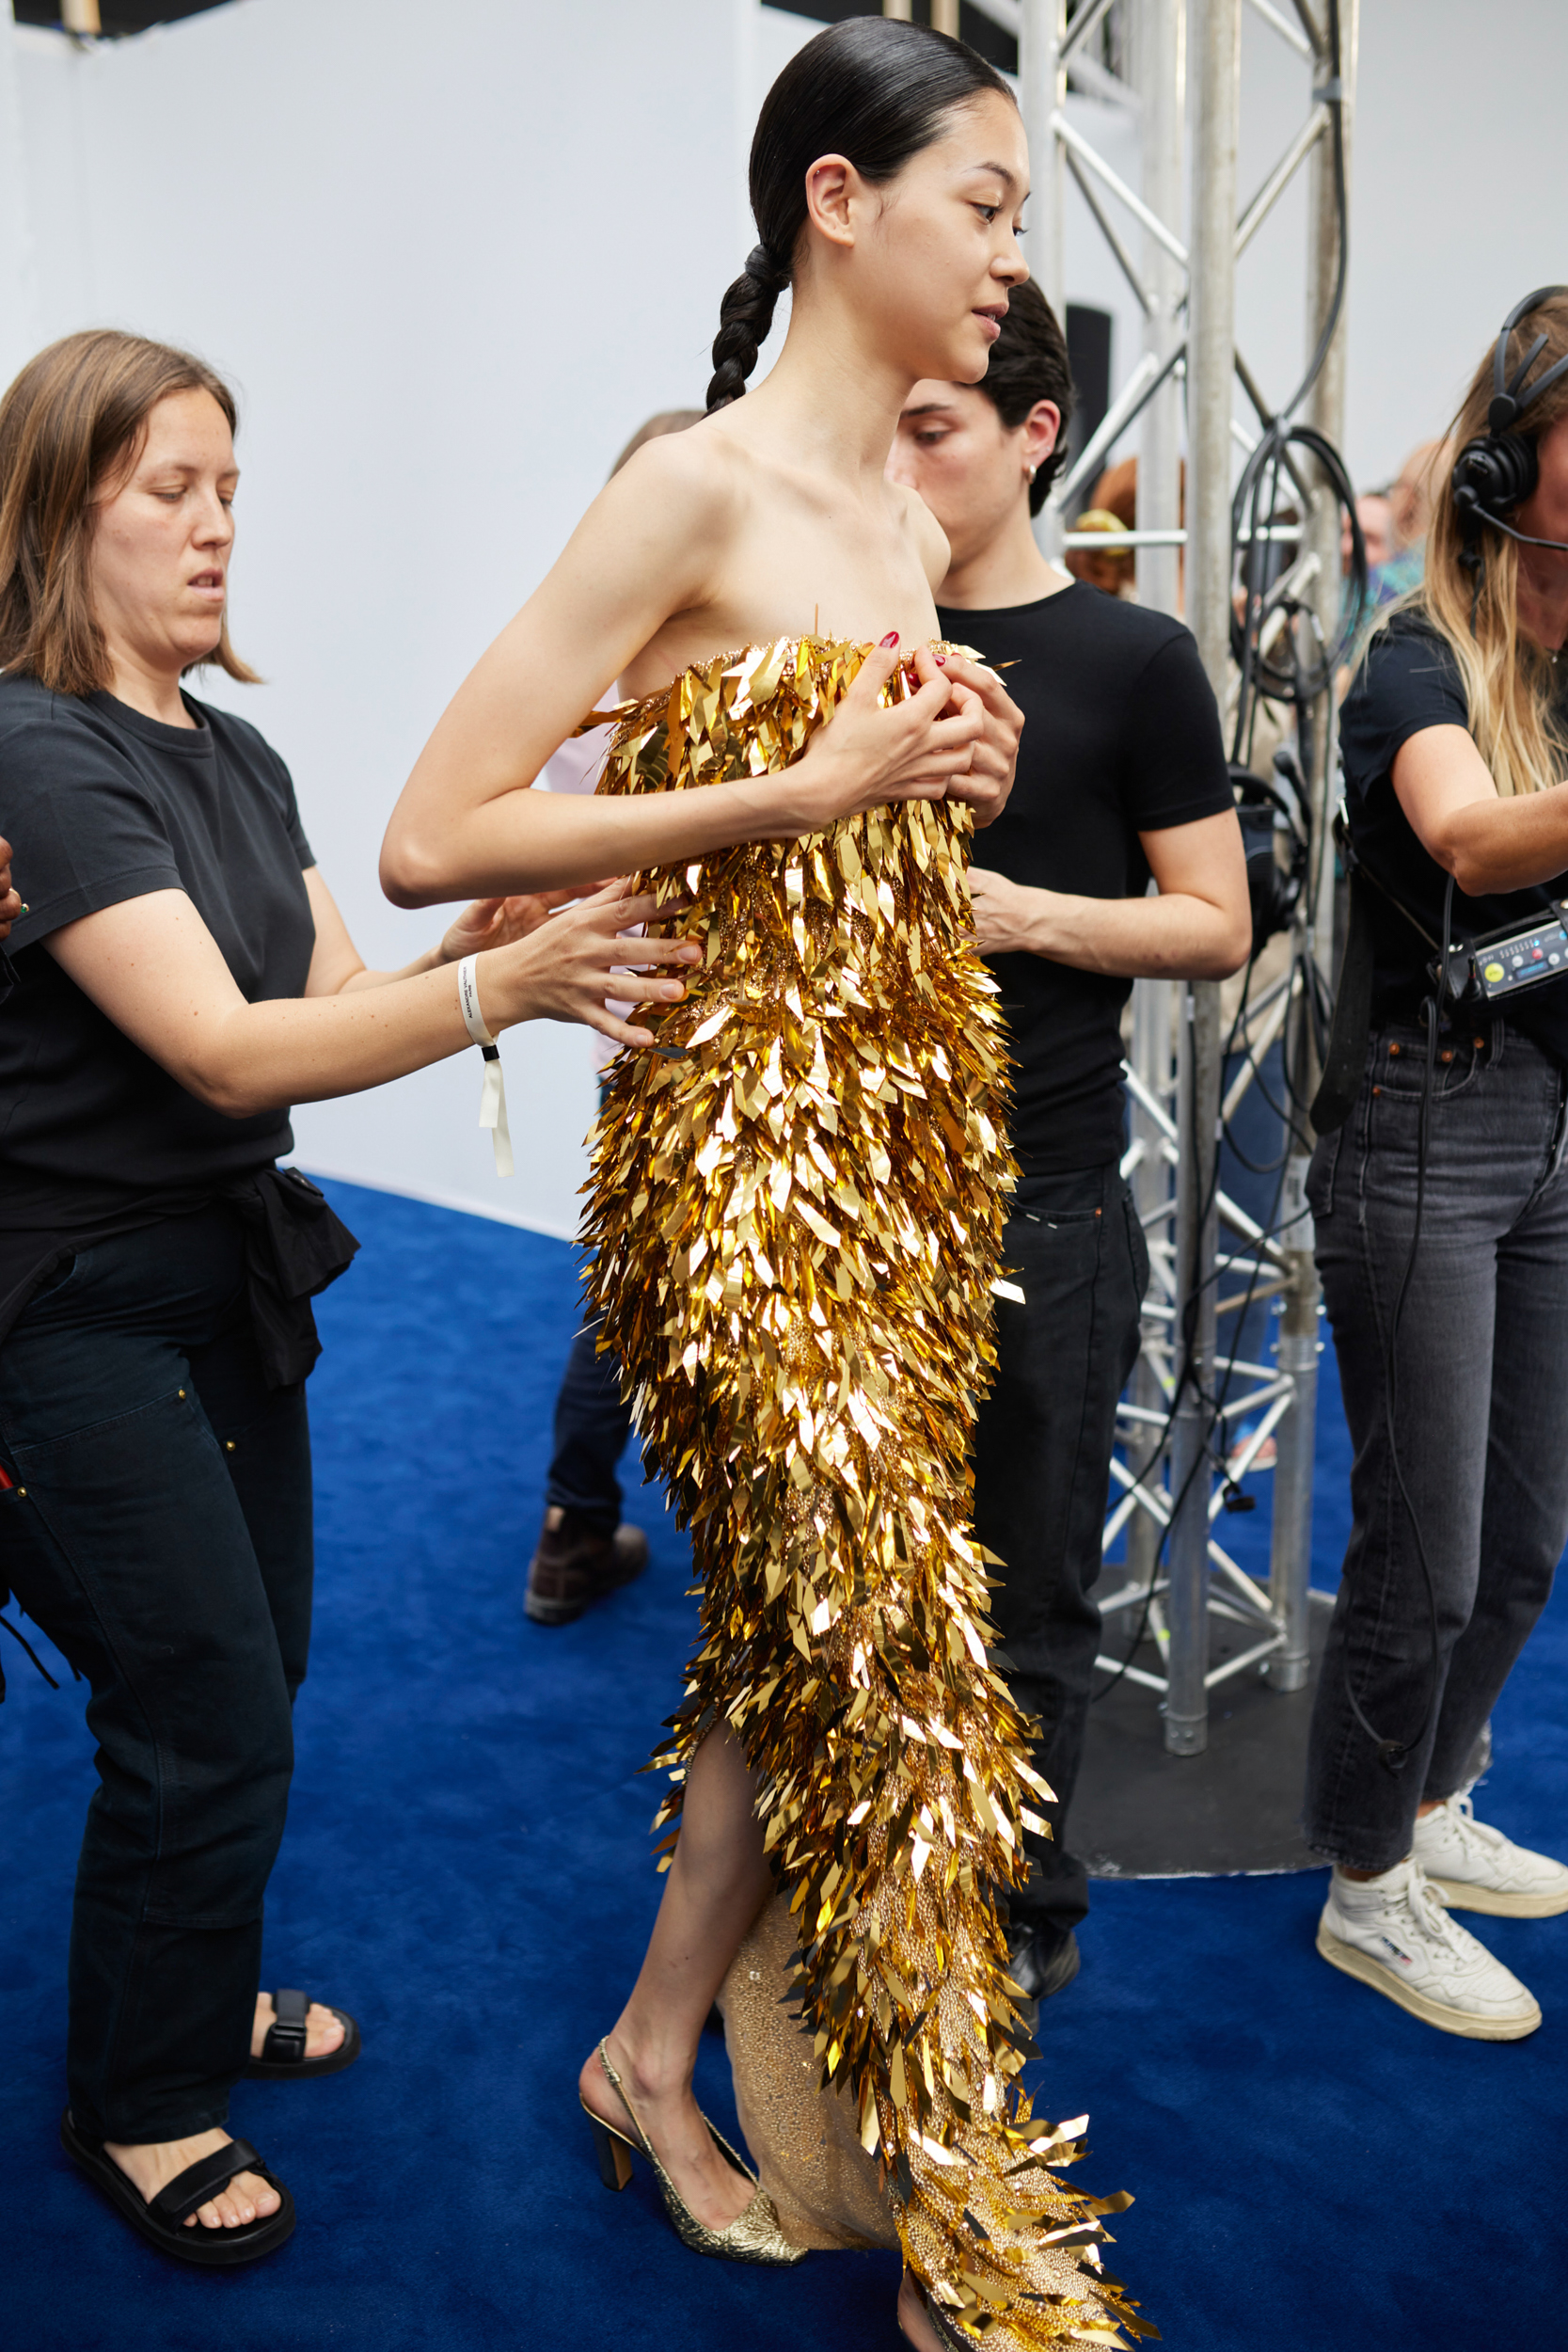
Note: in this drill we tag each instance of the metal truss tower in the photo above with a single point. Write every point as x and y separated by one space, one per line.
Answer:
1177 1457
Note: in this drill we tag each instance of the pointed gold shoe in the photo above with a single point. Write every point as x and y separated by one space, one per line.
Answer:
753 2236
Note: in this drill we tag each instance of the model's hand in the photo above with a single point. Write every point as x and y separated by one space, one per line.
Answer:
867 756
499 922
1008 919
990 777
10 905
565 970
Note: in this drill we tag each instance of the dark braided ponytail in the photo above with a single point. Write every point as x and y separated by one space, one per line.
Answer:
745 316
870 88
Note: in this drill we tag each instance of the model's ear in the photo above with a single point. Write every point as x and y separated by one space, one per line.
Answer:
834 194
1041 427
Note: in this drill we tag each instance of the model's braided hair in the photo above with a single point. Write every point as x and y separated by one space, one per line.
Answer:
745 316
872 89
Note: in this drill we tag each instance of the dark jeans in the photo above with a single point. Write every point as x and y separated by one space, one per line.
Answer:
1481 1425
161 1536
592 1427
1042 1457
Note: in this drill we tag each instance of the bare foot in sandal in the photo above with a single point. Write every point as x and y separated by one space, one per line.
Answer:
152 2166
324 2031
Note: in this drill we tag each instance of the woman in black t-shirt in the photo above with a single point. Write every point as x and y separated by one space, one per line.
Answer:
179 975
182 976
1441 1206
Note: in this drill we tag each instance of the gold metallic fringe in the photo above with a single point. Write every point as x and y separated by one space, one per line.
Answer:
797 1208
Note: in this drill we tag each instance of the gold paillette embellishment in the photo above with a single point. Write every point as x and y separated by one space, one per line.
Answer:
797 1207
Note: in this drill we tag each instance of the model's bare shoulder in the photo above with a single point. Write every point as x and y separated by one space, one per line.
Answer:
931 540
650 543
695 478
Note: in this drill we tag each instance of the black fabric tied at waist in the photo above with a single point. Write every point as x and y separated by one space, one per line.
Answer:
294 1245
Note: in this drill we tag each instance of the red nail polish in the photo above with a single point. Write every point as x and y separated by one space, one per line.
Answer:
941 661
892 638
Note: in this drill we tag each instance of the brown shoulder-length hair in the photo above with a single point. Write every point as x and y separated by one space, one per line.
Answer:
70 425
1510 684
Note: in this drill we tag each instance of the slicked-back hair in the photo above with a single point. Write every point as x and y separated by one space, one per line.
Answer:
871 88
70 426
1028 363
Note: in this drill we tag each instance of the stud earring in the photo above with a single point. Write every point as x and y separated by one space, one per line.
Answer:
1033 471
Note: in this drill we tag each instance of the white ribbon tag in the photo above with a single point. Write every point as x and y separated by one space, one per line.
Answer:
492 1099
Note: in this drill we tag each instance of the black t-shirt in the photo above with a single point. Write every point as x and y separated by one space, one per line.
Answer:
1121 736
1409 681
101 804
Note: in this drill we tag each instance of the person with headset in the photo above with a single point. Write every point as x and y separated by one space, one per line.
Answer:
1440 1196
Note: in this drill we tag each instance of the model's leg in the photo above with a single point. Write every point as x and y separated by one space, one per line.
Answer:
1042 1454
717 1883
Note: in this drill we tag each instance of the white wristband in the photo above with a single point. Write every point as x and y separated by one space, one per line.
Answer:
492 1100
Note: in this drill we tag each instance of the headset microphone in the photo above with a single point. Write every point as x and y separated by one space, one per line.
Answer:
1497 471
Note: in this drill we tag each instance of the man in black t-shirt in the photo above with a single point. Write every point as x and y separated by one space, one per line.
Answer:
1121 778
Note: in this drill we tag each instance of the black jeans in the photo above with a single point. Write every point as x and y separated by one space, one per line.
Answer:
1482 1420
160 1534
1042 1466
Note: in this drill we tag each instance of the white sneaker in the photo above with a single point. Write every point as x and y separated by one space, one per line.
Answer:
1393 1932
1477 1869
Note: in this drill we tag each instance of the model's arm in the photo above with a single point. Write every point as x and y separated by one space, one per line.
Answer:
1486 843
152 966
467 823
1199 927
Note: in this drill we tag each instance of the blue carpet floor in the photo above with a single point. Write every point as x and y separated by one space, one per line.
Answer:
466 1868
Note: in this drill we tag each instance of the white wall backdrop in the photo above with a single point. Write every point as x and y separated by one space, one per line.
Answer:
453 251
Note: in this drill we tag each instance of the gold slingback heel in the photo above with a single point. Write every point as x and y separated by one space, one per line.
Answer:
753 2237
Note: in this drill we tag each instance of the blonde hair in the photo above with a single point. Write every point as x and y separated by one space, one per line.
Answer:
1509 681
73 420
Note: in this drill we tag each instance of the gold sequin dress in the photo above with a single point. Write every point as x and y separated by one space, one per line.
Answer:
797 1207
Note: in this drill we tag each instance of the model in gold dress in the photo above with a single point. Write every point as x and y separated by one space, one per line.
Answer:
797 1205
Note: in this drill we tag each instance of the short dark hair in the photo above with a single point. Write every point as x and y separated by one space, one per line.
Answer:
1029 363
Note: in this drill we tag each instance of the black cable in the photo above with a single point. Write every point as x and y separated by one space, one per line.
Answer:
1214 1404
1393 1754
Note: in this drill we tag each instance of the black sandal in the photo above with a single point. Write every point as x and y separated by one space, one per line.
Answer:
163 2221
283 2051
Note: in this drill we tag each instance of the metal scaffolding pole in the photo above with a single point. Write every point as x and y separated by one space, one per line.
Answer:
1291 1555
1216 71
1159 53
1042 91
1160 66
1190 1408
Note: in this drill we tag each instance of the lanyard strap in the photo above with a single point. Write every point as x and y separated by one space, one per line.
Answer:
492 1099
